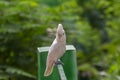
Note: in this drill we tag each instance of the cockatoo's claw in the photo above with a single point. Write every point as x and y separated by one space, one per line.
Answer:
59 63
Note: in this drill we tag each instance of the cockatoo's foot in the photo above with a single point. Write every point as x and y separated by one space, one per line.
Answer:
58 62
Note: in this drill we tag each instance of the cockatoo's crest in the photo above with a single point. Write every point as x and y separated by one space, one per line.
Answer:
60 31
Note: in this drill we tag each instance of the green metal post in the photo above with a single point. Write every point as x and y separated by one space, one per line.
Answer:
69 60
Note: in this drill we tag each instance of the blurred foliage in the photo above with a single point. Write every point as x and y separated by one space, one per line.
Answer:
92 26
7 72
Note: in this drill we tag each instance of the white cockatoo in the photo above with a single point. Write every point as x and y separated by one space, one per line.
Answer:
56 50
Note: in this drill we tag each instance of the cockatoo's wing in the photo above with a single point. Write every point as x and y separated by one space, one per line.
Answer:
51 59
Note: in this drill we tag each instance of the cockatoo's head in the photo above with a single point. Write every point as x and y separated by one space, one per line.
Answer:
60 32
